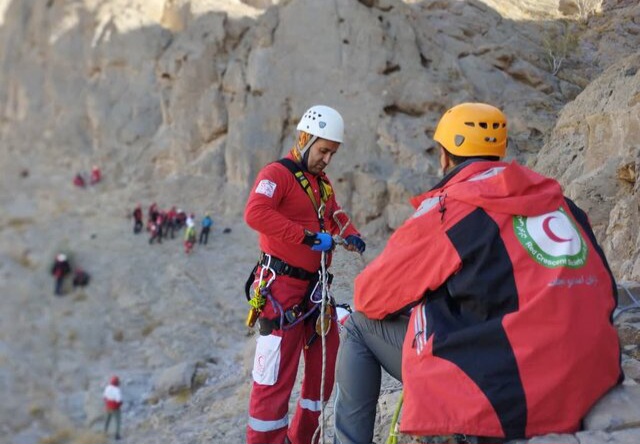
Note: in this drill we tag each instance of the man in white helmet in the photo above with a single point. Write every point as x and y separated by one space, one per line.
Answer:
292 207
60 269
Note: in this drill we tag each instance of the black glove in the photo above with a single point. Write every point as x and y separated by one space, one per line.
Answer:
356 242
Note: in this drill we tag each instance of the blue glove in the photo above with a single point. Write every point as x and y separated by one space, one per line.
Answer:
356 242
319 241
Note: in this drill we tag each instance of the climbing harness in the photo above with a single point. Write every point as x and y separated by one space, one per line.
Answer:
280 267
257 293
286 319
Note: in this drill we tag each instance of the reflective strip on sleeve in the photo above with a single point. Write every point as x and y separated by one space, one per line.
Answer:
267 426
309 404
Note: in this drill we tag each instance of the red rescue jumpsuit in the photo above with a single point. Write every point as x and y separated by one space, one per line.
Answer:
280 210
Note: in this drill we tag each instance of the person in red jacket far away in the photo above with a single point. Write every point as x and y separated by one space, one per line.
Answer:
112 402
79 181
96 175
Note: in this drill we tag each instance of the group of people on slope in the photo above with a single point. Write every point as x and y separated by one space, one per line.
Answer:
164 224
61 268
492 303
94 177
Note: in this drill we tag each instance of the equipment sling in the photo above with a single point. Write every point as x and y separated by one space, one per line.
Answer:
324 188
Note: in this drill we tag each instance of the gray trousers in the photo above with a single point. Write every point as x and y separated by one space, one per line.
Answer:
116 414
366 346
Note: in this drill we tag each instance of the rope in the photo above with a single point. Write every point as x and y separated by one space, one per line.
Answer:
323 306
393 430
634 304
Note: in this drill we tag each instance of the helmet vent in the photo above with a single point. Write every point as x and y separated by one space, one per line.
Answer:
471 124
483 125
496 125
458 140
490 139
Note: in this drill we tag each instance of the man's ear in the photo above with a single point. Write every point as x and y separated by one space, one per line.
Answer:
445 162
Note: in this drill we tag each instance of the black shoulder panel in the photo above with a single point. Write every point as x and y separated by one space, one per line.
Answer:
468 320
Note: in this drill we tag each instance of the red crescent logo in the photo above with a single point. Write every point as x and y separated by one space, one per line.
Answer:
547 229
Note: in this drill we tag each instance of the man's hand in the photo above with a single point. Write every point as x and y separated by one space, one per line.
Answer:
355 243
318 241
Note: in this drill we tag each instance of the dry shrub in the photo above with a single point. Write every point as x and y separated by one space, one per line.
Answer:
89 437
586 8
559 42
68 436
62 436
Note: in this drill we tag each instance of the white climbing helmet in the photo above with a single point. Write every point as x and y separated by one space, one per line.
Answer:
324 122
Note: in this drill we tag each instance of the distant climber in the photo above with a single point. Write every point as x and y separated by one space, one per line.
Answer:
80 278
181 219
60 270
206 223
171 223
191 219
153 212
112 402
137 219
189 238
156 232
160 224
79 181
96 175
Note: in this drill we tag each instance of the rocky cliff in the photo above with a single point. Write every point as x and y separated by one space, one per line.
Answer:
181 102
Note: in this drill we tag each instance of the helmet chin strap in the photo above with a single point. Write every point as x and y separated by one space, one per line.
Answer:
305 151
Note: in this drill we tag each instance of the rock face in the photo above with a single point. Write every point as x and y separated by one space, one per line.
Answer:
211 91
181 102
595 153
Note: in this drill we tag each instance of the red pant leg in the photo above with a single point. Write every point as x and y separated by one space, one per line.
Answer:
269 400
269 403
305 419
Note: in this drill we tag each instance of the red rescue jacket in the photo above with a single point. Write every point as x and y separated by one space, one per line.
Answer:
280 210
112 397
513 334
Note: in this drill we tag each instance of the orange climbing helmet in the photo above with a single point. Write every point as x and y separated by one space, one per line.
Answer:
473 129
